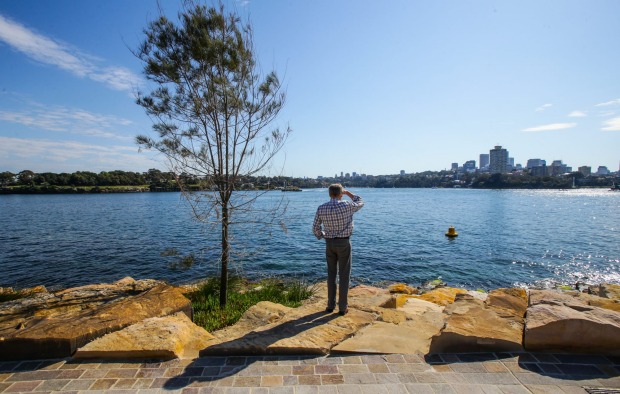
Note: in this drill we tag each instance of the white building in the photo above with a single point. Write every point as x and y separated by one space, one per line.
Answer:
498 160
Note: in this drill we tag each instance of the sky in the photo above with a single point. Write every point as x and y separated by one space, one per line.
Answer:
373 87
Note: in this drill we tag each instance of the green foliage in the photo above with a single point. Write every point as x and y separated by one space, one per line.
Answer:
212 109
241 296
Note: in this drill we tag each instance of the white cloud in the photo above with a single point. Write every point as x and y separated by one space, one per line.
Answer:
544 107
577 114
39 155
73 121
48 51
608 103
550 127
611 124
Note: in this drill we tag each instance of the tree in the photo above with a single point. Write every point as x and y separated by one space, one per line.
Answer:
211 109
6 178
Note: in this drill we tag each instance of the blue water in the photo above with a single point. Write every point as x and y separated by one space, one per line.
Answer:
506 238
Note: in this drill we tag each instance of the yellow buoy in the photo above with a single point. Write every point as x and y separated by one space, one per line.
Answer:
452 232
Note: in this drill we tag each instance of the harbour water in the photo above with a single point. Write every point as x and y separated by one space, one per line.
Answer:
506 238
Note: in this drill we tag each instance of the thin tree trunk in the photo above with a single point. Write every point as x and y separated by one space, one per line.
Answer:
224 272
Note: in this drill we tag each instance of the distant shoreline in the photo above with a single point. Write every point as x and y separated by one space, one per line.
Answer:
146 189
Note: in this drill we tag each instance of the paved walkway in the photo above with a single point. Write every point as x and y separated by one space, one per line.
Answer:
445 373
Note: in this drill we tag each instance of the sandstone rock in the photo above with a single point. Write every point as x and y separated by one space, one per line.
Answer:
390 315
304 330
601 302
565 322
407 338
402 288
55 325
363 296
442 295
412 336
174 336
479 295
512 303
416 307
396 301
606 290
610 291
476 326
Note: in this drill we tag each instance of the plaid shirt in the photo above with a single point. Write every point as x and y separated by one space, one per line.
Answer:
336 218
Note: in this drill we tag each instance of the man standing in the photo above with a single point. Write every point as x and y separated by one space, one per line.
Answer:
334 222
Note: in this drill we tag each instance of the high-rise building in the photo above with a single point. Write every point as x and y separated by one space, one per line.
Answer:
498 160
484 160
469 166
602 170
585 170
531 163
558 168
455 166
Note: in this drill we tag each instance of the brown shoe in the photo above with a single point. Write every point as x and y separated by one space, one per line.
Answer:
329 310
342 313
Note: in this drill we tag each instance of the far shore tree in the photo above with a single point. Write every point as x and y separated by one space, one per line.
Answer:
212 109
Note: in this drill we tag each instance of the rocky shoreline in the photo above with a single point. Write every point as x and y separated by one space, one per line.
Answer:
151 319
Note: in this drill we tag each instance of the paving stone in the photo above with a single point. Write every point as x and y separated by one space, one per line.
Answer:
79 384
443 388
352 368
468 388
469 368
279 390
543 389
581 370
70 374
374 389
307 380
306 390
53 385
429 377
386 378
247 381
326 369
474 357
419 388
103 384
511 389
404 368
328 389
324 374
573 390
545 357
303 370
332 379
23 386
359 378
495 367
378 368
582 359
491 378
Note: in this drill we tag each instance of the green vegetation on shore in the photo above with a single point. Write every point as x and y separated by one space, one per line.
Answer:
241 296
28 182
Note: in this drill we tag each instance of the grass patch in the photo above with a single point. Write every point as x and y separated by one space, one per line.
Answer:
241 296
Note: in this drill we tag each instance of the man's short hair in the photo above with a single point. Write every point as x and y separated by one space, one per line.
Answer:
335 190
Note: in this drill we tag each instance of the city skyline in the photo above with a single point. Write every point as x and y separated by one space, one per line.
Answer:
404 85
